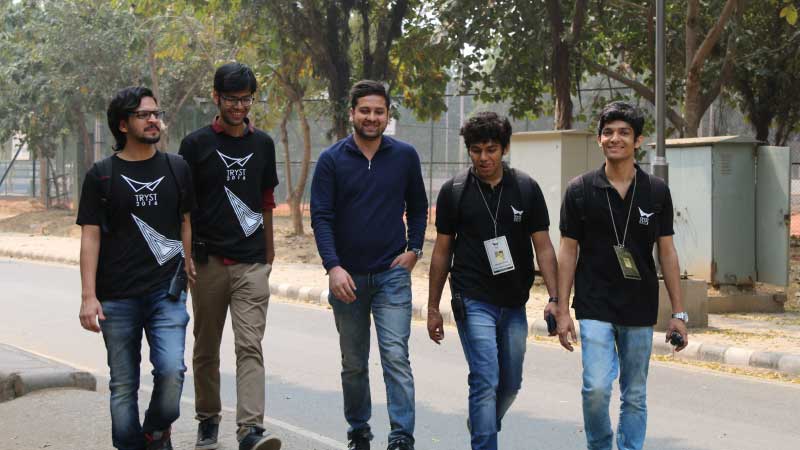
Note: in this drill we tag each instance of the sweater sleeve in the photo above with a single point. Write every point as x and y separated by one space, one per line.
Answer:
323 213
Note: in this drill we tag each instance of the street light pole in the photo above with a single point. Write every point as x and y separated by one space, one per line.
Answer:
660 166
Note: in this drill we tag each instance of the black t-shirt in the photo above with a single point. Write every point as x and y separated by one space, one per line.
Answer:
230 176
142 250
601 292
471 274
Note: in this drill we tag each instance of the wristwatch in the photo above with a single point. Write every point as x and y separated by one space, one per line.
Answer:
682 316
417 252
553 300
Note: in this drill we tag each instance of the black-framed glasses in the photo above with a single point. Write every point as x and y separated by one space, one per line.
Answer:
246 101
145 115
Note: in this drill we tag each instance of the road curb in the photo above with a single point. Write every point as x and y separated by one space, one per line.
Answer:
22 372
37 256
785 363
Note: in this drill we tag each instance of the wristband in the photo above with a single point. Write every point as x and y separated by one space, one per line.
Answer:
553 300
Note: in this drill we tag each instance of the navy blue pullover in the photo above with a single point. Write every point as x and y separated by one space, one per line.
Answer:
357 205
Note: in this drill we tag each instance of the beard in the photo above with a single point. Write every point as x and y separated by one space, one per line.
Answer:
359 130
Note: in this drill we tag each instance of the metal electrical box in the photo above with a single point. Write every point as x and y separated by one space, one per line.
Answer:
716 212
553 158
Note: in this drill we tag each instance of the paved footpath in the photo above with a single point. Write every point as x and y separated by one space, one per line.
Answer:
34 415
308 283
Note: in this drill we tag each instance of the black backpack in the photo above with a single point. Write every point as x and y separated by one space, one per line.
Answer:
524 184
105 174
658 193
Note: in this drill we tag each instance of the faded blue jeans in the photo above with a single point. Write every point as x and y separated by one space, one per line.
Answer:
164 324
493 339
610 350
387 295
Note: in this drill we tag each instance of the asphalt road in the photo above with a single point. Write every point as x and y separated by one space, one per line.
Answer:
689 409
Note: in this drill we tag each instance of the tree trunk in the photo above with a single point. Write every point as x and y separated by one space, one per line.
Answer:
287 159
338 91
43 181
87 158
297 194
560 74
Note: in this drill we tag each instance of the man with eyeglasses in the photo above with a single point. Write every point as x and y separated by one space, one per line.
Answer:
233 165
135 233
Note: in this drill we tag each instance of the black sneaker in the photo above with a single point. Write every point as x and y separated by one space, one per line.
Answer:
207 431
252 438
359 440
158 440
400 444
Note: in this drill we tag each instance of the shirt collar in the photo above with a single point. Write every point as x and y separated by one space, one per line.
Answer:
350 143
215 125
503 181
601 180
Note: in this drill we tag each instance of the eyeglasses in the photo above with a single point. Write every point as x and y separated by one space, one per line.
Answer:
232 101
145 115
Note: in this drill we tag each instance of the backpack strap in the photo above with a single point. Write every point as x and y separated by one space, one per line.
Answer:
580 197
658 193
105 175
525 186
456 193
180 182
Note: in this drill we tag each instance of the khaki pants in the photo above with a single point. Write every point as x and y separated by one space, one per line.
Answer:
244 288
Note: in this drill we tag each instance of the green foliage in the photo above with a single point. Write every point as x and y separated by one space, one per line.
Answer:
58 60
765 80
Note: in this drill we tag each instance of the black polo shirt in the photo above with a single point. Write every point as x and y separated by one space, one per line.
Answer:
471 274
601 292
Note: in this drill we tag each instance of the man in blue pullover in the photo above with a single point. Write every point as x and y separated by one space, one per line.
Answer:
361 188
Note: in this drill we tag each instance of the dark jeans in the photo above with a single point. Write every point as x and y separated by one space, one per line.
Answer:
164 323
388 296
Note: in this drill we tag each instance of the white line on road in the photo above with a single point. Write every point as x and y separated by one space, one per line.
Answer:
308 434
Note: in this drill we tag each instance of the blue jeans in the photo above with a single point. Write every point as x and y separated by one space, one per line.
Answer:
609 350
164 323
388 296
493 339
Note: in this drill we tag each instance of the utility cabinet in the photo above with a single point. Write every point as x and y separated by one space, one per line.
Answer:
731 206
553 158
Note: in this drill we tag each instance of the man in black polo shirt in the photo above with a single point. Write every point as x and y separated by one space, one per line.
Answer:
135 231
488 228
610 219
233 165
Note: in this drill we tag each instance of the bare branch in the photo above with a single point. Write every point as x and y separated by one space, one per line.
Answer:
642 90
712 38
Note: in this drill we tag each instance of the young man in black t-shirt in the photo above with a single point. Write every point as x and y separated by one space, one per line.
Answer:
610 219
135 232
233 167
488 229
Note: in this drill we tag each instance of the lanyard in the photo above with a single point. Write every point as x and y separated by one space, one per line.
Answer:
627 220
500 196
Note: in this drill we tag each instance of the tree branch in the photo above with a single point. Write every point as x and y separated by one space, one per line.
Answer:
713 36
642 90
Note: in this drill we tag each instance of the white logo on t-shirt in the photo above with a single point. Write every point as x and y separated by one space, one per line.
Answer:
232 172
644 218
517 214
144 199
248 219
163 248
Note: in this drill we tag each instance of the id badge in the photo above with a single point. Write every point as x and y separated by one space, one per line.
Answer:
499 255
627 263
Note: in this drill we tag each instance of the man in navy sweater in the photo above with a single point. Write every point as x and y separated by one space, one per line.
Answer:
361 188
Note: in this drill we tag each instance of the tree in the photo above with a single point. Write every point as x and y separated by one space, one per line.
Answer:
182 44
325 31
64 56
765 80
519 51
698 69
